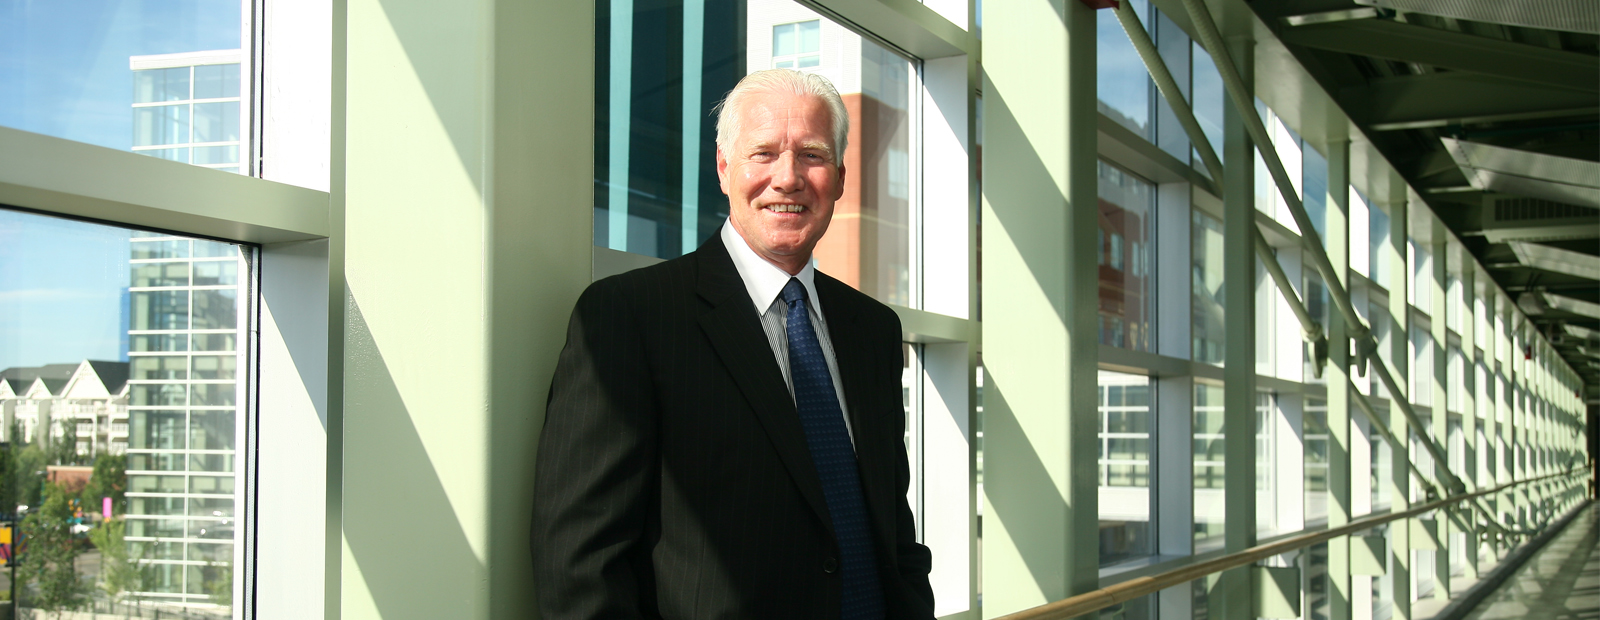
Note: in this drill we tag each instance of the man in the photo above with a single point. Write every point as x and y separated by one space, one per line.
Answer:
724 431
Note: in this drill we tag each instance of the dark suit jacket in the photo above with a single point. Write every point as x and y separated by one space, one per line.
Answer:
673 476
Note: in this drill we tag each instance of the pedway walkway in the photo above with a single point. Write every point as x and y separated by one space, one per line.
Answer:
1560 582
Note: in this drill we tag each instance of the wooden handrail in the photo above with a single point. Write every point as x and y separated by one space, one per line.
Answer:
1134 588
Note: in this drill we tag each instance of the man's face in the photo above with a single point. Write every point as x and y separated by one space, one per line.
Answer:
782 176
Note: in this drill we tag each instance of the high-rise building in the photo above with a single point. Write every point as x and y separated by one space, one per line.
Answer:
182 407
186 108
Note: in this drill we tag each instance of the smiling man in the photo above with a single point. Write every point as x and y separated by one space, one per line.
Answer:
724 430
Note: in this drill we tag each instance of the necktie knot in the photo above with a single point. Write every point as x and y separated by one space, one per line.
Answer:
793 291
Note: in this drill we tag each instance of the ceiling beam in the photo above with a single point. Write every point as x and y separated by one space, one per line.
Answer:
1454 98
1391 40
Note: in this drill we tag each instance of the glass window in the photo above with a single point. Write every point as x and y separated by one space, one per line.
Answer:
1210 98
154 310
1127 205
1125 466
1206 298
122 78
1208 465
174 424
1121 81
657 191
1316 460
795 46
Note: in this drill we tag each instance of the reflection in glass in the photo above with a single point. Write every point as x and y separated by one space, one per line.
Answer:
1208 465
1121 81
1125 466
1126 206
656 189
1206 311
1316 460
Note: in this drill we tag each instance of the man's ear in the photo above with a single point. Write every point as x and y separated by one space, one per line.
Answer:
722 170
838 189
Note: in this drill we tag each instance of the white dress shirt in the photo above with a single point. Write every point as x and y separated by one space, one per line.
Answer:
765 281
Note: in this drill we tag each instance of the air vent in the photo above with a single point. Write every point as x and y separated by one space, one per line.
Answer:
1512 218
1508 209
1566 15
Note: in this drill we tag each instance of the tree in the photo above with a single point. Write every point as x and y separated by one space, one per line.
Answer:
110 479
26 474
64 451
219 583
119 573
52 553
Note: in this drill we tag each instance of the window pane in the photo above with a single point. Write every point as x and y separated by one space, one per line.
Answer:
1126 206
1125 466
156 430
1208 466
216 122
1121 82
79 70
160 310
1210 342
156 85
215 309
783 40
160 368
172 415
212 430
810 36
643 203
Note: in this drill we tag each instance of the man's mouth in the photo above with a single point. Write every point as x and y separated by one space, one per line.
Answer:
786 208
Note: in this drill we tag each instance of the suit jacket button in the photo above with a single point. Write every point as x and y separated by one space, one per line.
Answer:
830 565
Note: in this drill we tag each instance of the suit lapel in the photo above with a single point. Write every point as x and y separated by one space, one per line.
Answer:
735 333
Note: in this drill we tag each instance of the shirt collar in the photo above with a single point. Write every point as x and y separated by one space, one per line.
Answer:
764 280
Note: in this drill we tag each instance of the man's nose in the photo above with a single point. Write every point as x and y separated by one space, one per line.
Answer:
786 177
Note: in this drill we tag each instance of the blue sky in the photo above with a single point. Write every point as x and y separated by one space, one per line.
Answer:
61 285
64 72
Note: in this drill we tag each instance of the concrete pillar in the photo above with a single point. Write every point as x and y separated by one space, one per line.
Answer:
463 141
1041 516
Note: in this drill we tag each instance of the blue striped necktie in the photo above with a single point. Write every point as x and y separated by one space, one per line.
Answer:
835 459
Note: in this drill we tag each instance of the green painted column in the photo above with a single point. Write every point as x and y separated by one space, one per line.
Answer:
1336 375
1041 516
1232 596
1439 425
463 171
1400 356
1469 405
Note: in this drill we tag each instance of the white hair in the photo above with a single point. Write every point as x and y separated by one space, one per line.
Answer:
798 83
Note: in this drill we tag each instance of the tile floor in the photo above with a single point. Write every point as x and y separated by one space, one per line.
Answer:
1560 582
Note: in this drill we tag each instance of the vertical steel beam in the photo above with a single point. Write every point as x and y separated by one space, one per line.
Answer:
1400 360
1234 593
1041 518
1469 403
1439 426
1337 377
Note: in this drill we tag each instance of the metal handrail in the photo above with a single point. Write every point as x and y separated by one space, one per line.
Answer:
1134 588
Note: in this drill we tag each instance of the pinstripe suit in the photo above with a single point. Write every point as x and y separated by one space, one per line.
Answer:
673 477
